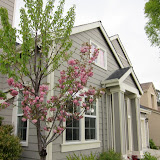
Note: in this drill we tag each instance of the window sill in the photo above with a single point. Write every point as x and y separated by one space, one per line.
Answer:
24 144
74 146
100 66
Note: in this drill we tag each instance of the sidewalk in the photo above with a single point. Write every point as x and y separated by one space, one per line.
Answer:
154 152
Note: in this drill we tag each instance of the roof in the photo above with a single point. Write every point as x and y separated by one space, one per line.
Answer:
118 73
145 86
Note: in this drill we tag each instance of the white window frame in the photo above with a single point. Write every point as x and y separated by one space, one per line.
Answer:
105 55
15 116
82 144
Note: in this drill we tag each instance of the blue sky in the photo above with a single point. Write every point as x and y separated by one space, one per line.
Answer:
125 18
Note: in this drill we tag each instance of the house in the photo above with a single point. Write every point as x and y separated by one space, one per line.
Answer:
149 101
116 120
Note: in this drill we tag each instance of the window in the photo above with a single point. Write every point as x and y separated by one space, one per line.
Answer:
101 61
90 122
82 134
21 128
72 126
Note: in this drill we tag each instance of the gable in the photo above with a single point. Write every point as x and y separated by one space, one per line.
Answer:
95 35
130 81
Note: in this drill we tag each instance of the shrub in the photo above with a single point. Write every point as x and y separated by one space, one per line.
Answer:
10 148
82 157
110 155
148 156
152 144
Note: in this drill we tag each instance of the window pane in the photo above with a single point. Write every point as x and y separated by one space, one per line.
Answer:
69 123
75 134
22 129
90 128
92 123
75 123
101 58
92 50
93 111
20 98
87 134
92 131
68 134
87 122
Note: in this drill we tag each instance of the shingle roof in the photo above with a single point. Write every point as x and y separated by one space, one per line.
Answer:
118 73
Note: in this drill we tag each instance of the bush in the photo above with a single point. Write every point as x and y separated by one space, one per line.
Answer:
82 157
10 148
147 156
152 144
110 155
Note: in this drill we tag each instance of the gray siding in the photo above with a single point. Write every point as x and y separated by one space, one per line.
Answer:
30 152
9 5
120 53
99 75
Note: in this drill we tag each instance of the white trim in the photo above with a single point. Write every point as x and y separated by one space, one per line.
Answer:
145 111
14 14
114 82
121 45
126 87
50 81
85 27
74 146
15 122
105 54
130 133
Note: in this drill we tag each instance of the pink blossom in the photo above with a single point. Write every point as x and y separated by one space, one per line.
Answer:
64 120
102 92
75 101
72 62
62 72
42 118
48 101
87 108
1 98
90 61
90 74
14 92
34 121
43 88
23 119
38 105
45 128
41 99
90 100
10 81
70 92
5 104
84 104
81 94
54 131
49 119
53 109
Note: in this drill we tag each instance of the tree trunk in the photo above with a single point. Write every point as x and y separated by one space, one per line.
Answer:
43 154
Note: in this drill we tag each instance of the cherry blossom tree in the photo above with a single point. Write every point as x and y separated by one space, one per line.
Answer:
45 46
